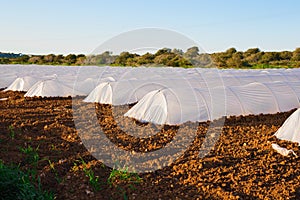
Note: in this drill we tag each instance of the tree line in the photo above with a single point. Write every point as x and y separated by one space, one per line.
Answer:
255 58
231 58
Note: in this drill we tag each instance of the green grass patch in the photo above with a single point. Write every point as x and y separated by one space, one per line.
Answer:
16 185
123 176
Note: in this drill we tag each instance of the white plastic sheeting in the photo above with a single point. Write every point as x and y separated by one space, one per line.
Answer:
169 107
283 151
198 94
130 91
102 93
51 88
76 75
163 107
290 130
81 78
22 84
153 108
256 98
126 91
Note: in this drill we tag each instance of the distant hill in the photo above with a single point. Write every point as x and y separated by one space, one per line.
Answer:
10 55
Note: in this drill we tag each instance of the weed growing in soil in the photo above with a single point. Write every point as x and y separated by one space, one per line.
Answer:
118 177
11 132
123 176
57 178
93 180
16 185
32 156
53 147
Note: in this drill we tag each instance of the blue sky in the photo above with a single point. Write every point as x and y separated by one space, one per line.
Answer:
65 26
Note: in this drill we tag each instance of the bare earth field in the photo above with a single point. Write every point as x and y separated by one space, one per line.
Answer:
242 164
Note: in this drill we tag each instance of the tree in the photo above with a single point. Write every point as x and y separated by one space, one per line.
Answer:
177 51
162 51
49 58
121 60
296 55
230 51
203 60
251 52
219 59
253 58
162 59
147 58
235 61
191 52
80 60
285 55
59 59
269 57
34 59
70 59
107 58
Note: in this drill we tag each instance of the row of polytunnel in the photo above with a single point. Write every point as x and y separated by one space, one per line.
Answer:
163 95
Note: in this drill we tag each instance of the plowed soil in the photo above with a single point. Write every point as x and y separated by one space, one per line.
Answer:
241 164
